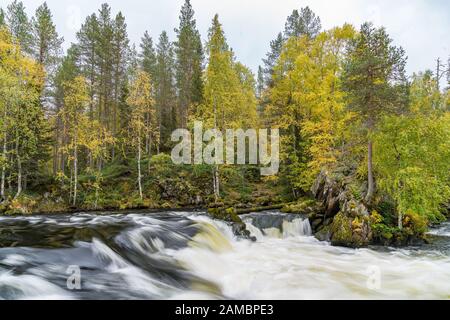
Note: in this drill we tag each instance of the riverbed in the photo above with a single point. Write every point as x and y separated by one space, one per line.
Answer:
187 255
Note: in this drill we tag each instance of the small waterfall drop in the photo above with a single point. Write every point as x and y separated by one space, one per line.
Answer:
277 225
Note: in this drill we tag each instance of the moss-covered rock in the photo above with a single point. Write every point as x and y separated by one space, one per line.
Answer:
302 206
225 214
348 231
230 215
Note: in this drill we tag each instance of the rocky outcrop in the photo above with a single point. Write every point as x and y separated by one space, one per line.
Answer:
344 219
230 215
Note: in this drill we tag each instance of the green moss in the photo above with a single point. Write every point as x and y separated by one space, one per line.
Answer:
302 206
226 214
351 232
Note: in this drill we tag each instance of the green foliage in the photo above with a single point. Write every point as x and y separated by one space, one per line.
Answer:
189 60
305 23
307 104
374 76
19 25
2 18
412 162
46 44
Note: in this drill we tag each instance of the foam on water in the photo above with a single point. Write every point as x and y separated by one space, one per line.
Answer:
190 256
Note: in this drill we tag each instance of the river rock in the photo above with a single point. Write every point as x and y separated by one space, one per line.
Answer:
230 215
346 217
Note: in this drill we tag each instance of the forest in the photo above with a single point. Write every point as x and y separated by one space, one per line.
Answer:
364 147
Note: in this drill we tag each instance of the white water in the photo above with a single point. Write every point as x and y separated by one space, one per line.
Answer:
160 257
294 265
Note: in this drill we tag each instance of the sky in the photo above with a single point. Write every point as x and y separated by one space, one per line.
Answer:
421 27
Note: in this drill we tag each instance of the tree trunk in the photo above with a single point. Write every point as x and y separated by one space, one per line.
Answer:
2 183
370 182
400 220
139 168
216 183
75 171
19 172
149 153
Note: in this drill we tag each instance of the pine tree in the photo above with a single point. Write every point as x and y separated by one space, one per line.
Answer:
189 60
271 58
120 54
104 50
305 23
88 57
46 45
46 42
147 56
375 82
66 72
19 25
165 94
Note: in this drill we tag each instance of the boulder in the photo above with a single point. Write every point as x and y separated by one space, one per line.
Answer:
346 217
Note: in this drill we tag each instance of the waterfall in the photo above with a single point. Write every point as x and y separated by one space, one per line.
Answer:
188 255
276 225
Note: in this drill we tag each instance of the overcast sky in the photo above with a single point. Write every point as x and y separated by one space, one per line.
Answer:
421 27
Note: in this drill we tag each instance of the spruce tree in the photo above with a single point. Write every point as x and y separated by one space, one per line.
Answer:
272 58
88 57
305 23
120 55
46 42
189 60
46 47
147 56
19 25
165 94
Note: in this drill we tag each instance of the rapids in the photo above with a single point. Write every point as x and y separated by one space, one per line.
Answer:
187 255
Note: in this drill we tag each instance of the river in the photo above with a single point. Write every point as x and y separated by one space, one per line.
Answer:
187 255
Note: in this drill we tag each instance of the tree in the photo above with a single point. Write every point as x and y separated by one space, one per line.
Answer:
307 104
23 124
19 25
229 97
413 165
412 160
189 59
424 94
272 58
45 44
165 97
147 56
260 83
88 57
103 58
143 117
2 18
76 100
120 54
305 23
66 72
375 83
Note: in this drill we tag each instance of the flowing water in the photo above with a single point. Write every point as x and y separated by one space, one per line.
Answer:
186 255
